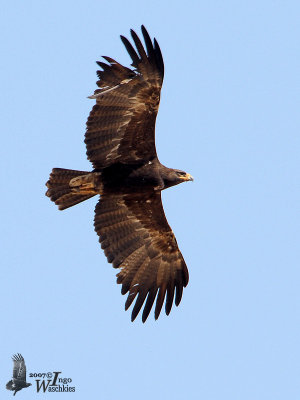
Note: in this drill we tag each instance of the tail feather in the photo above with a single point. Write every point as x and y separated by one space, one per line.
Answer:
59 190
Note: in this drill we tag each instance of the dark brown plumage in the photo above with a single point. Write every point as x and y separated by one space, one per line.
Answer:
129 217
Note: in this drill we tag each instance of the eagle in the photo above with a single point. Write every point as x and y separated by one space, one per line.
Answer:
127 174
18 382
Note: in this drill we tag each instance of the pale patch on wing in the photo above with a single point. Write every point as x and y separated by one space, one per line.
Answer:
108 89
113 152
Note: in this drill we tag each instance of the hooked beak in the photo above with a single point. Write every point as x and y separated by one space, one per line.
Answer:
188 177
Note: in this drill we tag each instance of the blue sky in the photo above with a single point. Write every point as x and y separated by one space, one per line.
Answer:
229 115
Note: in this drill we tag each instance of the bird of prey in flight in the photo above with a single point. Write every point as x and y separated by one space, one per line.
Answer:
129 216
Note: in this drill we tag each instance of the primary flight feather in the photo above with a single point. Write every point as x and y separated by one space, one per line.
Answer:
129 217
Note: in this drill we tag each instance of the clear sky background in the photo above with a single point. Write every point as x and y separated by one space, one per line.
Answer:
229 115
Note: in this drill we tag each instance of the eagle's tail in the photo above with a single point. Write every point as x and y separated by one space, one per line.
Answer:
60 191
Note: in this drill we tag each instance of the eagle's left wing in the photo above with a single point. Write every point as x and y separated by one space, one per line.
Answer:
137 238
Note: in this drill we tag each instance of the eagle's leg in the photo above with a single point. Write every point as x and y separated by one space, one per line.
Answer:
86 184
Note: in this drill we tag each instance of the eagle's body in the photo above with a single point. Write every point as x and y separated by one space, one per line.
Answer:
132 177
129 216
126 178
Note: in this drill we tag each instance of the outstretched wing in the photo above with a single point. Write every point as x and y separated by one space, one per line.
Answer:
121 125
137 238
19 369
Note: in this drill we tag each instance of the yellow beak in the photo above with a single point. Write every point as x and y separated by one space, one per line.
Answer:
187 177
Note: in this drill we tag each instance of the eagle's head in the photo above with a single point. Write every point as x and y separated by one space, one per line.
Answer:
173 177
183 176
